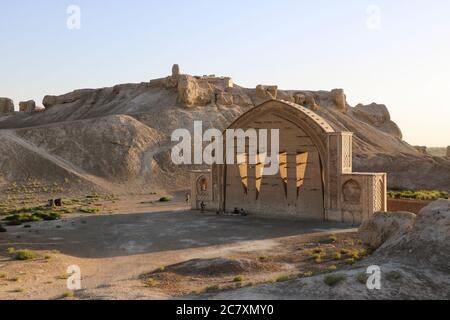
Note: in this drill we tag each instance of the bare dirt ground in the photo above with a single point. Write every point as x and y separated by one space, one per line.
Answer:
150 250
413 206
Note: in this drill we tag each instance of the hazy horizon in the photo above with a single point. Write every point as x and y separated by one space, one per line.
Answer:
394 53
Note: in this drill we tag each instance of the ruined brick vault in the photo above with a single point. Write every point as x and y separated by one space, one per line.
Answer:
315 179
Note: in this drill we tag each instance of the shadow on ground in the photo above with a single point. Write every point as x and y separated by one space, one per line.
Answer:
132 234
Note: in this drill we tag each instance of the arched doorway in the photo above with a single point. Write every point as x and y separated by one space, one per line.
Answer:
298 189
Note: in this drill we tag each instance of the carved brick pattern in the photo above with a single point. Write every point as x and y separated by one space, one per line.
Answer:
346 154
378 188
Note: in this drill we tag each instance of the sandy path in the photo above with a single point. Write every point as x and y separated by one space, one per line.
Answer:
62 163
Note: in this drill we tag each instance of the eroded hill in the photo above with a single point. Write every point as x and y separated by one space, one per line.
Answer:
118 138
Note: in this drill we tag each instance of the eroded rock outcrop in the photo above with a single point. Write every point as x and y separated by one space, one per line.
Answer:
428 241
421 149
265 93
193 93
310 101
157 103
378 116
27 106
242 100
384 226
339 99
71 97
6 106
300 98
224 99
175 70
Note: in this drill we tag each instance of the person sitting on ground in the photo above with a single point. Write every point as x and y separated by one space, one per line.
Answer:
236 211
203 206
243 213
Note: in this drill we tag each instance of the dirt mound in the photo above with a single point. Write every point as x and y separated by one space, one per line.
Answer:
215 267
103 152
385 226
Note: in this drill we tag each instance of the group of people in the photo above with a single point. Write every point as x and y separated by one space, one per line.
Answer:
236 211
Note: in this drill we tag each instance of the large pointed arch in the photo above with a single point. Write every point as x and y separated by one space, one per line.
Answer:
317 128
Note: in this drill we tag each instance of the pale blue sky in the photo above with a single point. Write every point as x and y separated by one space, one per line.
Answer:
295 44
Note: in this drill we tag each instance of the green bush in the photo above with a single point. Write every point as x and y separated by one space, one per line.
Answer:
150 282
337 256
362 278
212 288
333 238
24 255
89 210
285 278
68 294
393 276
165 199
20 218
333 280
425 195
27 215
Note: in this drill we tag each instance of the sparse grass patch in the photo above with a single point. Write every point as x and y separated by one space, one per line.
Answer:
150 282
285 278
393 276
212 288
333 238
238 279
425 195
18 217
332 268
333 280
68 294
160 269
318 259
165 199
89 210
307 274
362 278
318 251
64 276
337 256
350 261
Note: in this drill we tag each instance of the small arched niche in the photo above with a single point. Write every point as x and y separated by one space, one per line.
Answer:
351 191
